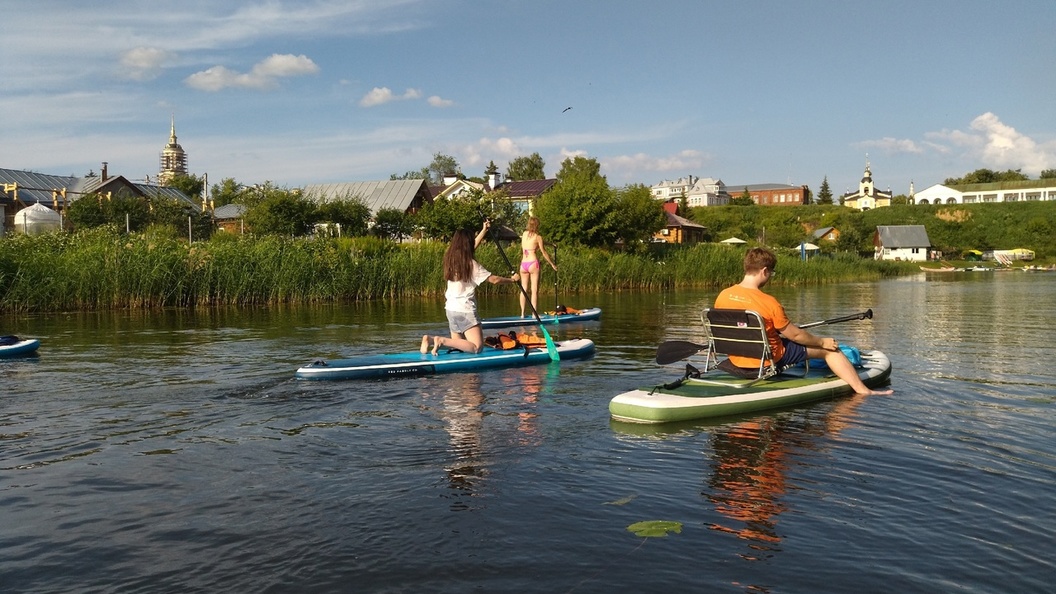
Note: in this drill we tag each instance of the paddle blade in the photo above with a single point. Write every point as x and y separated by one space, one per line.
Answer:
550 348
673 351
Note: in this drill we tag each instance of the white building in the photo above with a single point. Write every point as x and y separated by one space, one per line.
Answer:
901 242
1017 191
699 191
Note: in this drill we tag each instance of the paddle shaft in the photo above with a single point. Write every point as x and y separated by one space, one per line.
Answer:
550 348
867 314
557 300
675 350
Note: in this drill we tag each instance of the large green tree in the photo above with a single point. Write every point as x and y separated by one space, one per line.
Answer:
350 212
580 208
278 211
228 191
526 168
392 223
640 216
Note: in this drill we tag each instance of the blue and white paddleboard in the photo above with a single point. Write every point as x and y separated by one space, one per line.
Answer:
13 346
585 315
415 363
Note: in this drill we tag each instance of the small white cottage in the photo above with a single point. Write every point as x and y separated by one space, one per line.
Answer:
901 242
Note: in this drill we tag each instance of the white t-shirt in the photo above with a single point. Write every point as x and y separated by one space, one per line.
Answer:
462 295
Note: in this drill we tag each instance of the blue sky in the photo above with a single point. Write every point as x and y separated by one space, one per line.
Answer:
316 91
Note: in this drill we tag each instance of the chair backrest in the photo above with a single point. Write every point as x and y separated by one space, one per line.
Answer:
740 333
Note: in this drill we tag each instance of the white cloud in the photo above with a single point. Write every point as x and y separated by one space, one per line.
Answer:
382 95
437 101
145 63
683 161
891 145
996 145
263 75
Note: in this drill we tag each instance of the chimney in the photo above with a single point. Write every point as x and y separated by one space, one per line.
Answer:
102 176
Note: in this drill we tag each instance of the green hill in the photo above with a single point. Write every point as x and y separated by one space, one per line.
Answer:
952 229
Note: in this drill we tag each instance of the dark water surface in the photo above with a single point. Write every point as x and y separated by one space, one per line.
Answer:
174 452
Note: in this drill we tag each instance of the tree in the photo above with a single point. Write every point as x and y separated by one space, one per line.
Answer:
392 223
278 211
351 212
526 168
96 210
228 191
986 176
824 192
190 185
684 210
422 173
745 199
442 217
1048 174
580 208
808 196
640 216
442 165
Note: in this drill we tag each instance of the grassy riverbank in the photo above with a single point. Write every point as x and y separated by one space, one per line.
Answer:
105 269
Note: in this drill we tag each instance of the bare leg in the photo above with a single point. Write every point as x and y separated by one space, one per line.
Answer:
536 271
471 341
524 285
842 367
425 344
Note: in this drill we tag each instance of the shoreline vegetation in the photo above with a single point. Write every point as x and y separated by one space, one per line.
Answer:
103 269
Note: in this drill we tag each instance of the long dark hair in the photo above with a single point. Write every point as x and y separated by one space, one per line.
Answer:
459 257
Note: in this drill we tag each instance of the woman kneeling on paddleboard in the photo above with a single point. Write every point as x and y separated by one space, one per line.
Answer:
463 274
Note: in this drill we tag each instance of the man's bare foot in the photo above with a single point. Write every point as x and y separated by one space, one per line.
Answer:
425 344
436 344
887 392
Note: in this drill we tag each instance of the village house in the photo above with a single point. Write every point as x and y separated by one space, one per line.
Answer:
901 242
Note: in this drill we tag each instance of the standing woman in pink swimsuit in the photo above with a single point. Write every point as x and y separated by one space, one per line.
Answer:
531 241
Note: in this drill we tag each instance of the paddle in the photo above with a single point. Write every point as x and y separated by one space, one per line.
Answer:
550 348
675 350
557 300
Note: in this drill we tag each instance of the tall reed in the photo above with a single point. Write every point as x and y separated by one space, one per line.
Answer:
106 269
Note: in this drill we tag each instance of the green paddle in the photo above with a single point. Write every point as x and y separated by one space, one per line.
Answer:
673 351
550 348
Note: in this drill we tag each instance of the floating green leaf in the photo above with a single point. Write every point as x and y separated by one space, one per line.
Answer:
655 528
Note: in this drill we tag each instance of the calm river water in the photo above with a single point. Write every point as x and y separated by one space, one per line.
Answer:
174 452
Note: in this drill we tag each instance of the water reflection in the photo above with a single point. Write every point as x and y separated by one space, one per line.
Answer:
465 407
463 417
749 461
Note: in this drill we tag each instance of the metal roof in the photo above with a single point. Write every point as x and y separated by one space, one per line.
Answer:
673 220
529 188
229 211
395 193
35 188
903 236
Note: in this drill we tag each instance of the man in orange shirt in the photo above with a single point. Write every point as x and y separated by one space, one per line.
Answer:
789 343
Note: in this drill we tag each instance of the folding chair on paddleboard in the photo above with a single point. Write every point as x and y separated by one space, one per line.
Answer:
740 333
